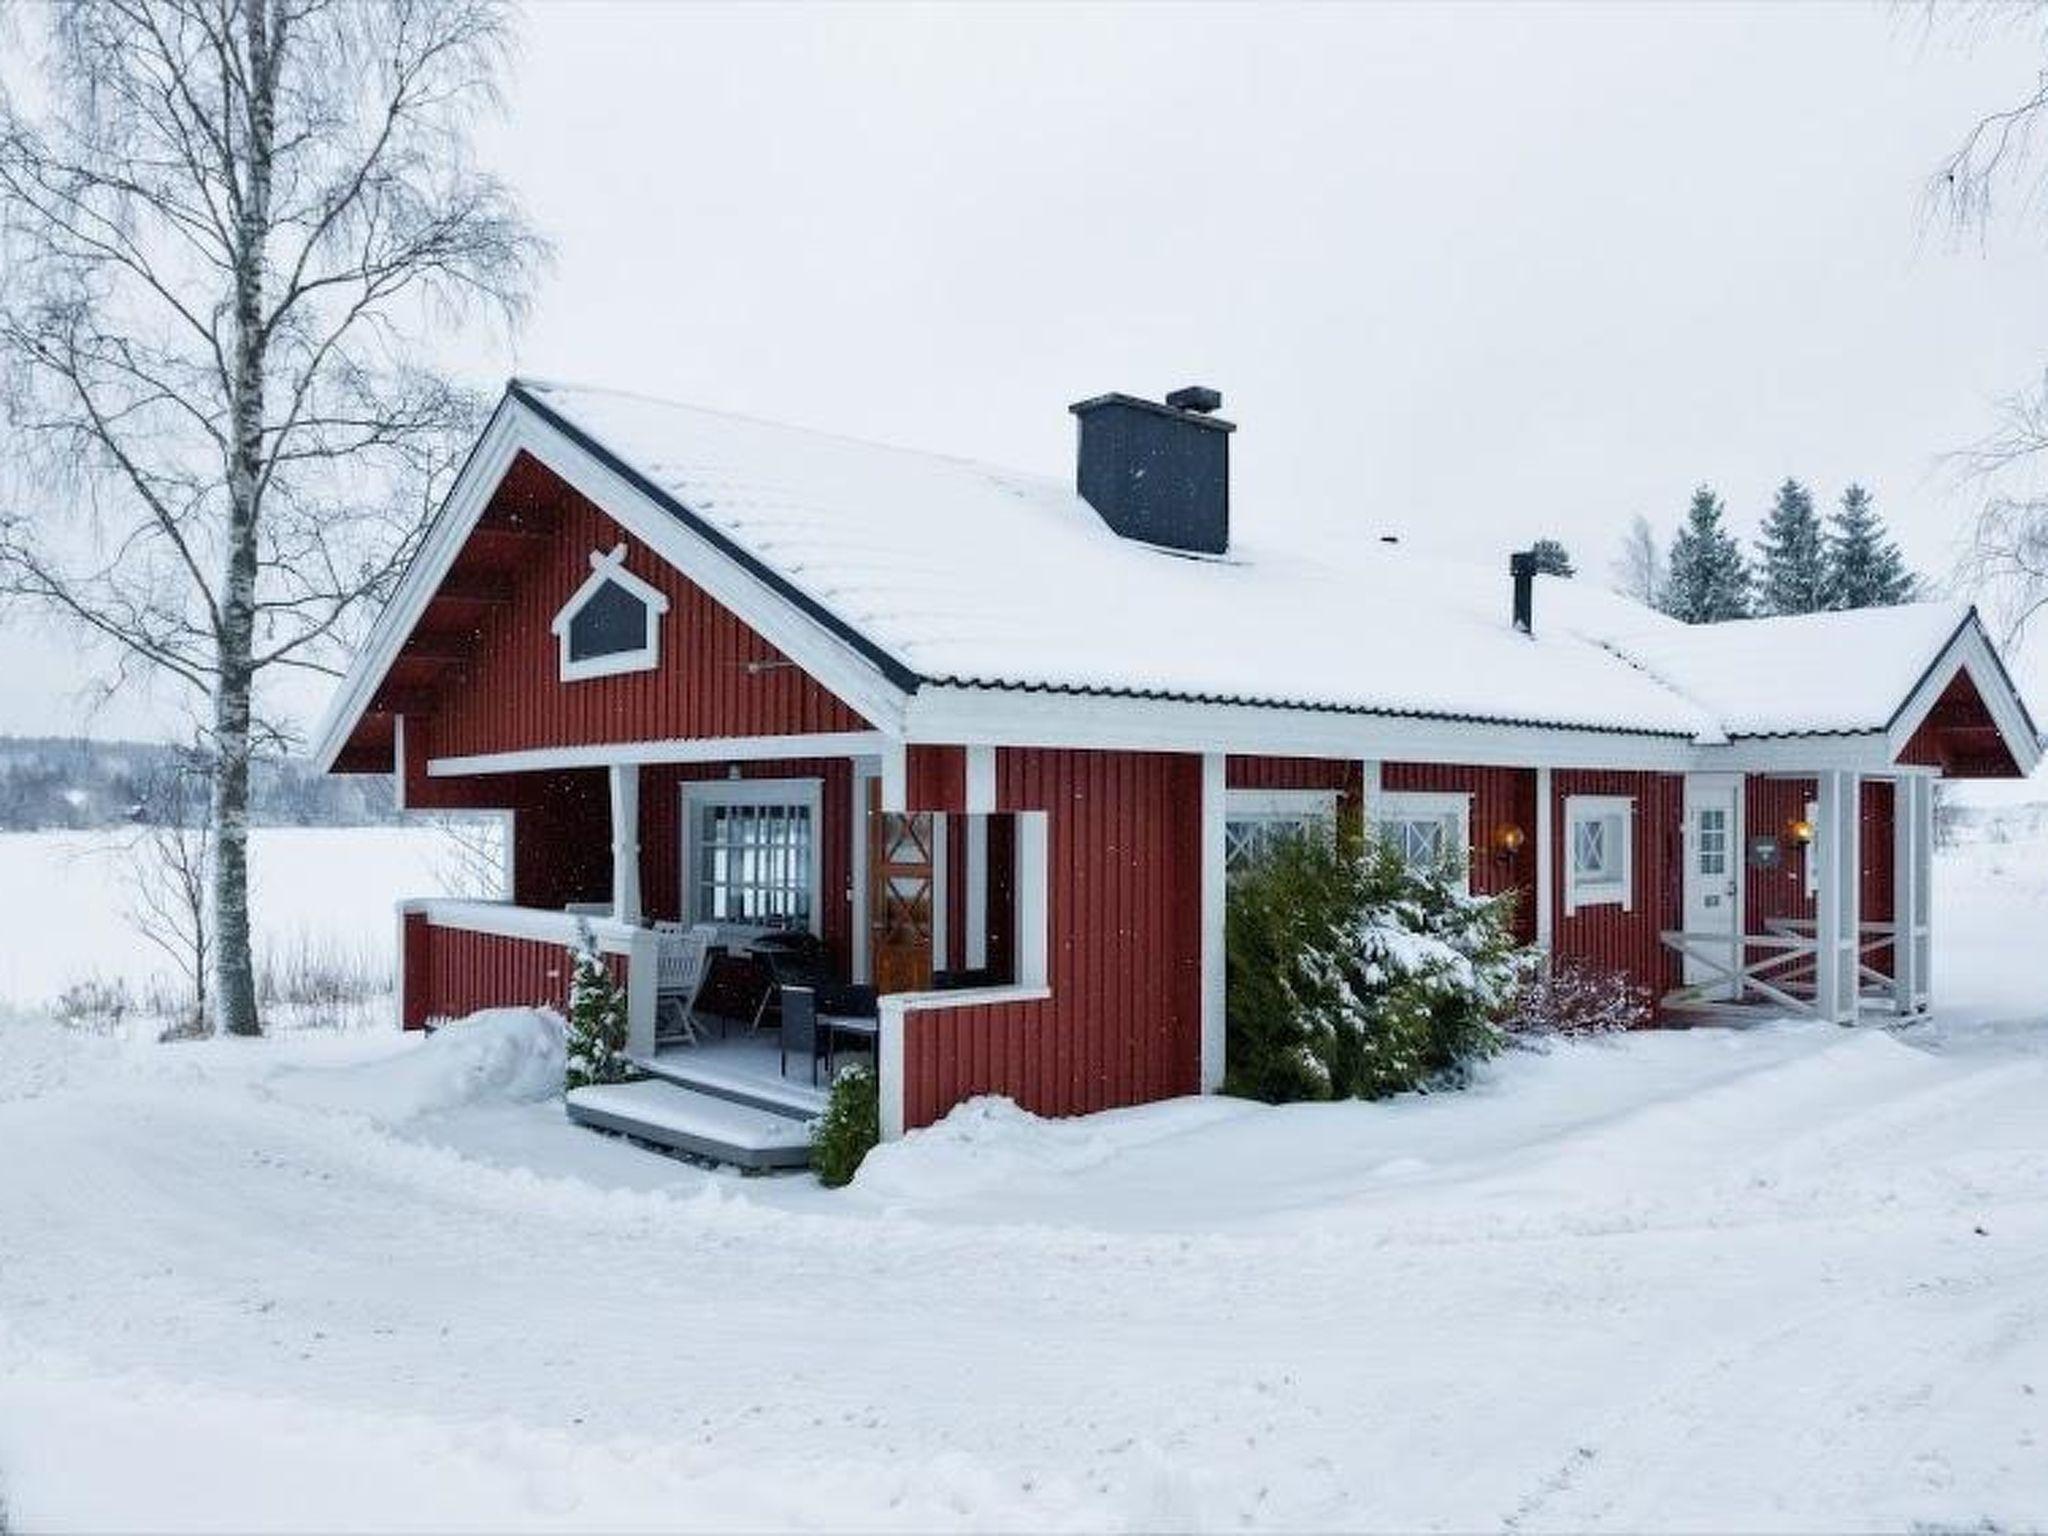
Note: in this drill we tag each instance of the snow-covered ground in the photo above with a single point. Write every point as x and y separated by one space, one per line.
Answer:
65 899
1787 1278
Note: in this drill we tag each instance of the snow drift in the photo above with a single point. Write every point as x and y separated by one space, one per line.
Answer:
515 1054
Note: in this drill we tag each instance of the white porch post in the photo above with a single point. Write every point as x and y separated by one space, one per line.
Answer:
1912 893
1215 782
1838 885
625 842
1546 862
1369 783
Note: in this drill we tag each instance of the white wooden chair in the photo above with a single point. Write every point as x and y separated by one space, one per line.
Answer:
682 963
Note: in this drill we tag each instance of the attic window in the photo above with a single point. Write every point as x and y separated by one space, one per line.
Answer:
612 623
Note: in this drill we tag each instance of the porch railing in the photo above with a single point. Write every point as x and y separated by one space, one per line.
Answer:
1782 975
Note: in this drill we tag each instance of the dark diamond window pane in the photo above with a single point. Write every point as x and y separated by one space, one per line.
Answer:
611 622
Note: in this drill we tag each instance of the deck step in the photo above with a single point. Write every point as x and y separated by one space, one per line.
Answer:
688 1069
701 1124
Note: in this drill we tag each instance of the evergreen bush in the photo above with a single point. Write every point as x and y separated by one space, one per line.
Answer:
849 1128
597 1020
1351 975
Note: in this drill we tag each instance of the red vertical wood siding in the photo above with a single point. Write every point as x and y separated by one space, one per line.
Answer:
509 695
1501 797
1345 775
935 778
1123 1025
1607 936
451 972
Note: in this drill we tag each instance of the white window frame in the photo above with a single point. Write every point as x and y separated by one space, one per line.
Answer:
1306 809
610 570
1619 892
1430 805
699 793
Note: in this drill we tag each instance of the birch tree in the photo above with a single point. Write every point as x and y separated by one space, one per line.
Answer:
226 227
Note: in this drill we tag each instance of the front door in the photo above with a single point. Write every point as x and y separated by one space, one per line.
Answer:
902 893
1713 890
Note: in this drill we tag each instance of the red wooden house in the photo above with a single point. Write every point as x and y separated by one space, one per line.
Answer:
995 740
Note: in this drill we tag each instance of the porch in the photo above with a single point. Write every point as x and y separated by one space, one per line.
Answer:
767 918
1806 895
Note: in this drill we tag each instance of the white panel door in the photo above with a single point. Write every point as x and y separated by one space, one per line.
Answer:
1713 873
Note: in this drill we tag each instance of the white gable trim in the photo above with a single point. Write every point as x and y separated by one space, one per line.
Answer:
1970 652
514 428
609 570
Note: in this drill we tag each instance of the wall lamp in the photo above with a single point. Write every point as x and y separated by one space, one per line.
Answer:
1507 843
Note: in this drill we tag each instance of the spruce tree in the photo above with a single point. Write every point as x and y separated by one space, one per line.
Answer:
1792 559
1552 558
597 1020
1709 579
1865 568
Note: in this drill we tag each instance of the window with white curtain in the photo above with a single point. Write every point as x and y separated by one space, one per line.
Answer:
752 852
1599 851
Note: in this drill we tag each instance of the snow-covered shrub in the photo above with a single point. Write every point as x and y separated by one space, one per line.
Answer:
96 1006
1351 975
849 1128
597 1020
1574 998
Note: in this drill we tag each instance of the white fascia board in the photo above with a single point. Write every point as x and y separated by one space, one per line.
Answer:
1801 756
948 714
513 429
681 749
488 462
1971 652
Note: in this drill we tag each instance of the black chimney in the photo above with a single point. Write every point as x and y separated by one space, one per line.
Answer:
1158 473
1522 567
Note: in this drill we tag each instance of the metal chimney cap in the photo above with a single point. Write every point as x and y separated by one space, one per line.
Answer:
1198 398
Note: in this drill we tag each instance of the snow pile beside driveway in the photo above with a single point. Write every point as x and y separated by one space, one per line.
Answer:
989 1143
500 1054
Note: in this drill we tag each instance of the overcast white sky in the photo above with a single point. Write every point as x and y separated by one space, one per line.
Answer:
1472 274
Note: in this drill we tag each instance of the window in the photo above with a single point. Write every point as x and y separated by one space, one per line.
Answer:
612 623
751 852
1426 829
1599 852
1255 819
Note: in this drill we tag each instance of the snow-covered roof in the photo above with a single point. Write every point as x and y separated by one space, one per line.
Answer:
971 574
948 572
1809 673
966 573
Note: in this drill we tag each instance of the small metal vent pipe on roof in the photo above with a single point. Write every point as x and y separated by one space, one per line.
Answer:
1522 569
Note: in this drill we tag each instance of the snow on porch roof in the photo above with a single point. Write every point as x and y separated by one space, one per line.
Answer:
1804 674
967 574
974 575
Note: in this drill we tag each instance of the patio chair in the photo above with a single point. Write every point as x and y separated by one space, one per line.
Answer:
845 1010
682 965
799 1028
789 959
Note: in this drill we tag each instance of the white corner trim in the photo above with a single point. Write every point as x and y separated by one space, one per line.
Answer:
981 780
1546 859
1217 799
398 762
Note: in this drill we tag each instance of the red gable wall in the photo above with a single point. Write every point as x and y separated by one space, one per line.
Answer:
717 676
